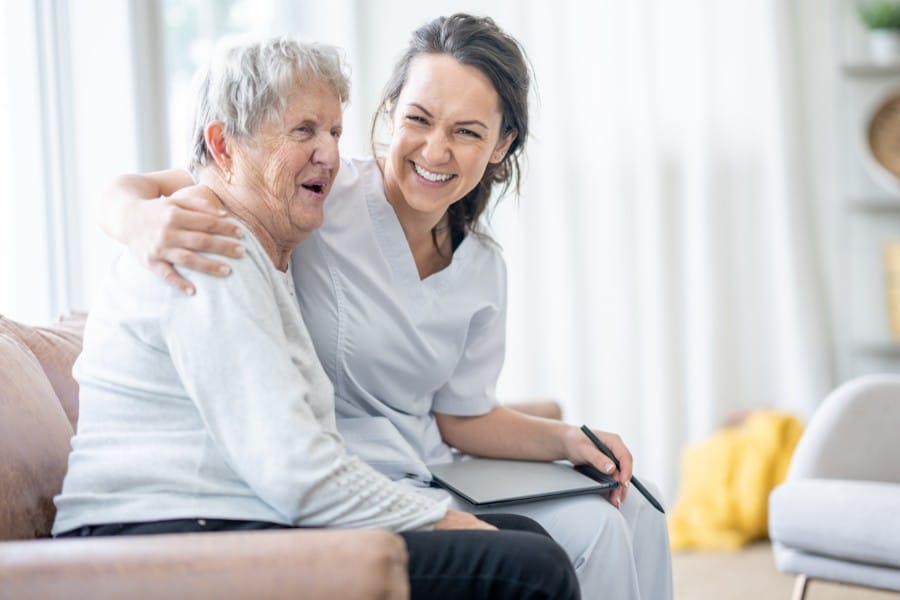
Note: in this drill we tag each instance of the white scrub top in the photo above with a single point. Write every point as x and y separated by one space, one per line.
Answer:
396 347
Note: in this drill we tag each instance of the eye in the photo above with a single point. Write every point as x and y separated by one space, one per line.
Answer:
416 119
468 133
305 130
336 133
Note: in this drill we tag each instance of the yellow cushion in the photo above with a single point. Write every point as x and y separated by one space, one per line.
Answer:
726 480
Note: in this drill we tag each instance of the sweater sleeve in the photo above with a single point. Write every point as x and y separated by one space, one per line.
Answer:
228 345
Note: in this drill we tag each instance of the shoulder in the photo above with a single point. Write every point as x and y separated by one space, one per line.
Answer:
486 256
356 172
254 265
480 272
357 180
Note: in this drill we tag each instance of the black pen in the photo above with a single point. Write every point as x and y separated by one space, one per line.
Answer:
640 487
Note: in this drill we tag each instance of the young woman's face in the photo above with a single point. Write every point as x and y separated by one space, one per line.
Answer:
445 130
291 163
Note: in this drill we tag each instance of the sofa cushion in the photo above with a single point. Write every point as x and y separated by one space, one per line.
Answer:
34 443
56 349
843 519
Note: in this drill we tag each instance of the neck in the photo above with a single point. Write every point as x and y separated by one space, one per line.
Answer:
417 227
278 249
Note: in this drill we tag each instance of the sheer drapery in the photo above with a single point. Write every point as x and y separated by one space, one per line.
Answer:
665 263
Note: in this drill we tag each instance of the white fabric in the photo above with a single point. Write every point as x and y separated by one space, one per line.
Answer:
853 434
616 553
665 266
397 348
790 560
863 519
215 406
836 516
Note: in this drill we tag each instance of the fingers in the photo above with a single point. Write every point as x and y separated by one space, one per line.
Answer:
176 217
624 457
599 459
455 519
203 222
199 198
199 242
181 248
171 277
196 262
616 497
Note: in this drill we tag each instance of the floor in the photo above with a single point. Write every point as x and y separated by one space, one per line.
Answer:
751 575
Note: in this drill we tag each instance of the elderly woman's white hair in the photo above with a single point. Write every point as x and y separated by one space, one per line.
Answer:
248 81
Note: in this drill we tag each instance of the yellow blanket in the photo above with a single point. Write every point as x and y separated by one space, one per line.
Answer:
725 483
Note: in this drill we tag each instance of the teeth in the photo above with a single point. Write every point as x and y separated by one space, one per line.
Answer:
431 176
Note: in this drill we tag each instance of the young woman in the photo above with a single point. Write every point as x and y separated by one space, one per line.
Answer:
405 294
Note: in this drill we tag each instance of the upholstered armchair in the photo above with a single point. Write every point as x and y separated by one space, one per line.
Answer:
837 515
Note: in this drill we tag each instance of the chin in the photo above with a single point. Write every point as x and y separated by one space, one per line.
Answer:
309 222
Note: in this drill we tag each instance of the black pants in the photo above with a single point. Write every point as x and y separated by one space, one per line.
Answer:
520 561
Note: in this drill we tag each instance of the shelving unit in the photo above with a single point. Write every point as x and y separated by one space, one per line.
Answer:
870 208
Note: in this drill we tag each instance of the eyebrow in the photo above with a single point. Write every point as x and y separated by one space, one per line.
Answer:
430 116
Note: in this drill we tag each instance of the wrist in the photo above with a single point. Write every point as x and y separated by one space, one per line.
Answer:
570 435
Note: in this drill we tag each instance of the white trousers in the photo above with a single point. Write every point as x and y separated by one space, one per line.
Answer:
619 554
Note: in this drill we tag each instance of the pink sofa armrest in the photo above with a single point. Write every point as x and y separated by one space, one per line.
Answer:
352 564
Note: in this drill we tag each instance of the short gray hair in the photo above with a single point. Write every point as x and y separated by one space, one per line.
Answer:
247 83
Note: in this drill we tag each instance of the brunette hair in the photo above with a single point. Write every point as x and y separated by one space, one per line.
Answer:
477 42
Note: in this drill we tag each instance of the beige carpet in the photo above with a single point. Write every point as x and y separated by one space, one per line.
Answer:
751 575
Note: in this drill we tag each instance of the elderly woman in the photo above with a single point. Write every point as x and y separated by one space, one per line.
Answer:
213 412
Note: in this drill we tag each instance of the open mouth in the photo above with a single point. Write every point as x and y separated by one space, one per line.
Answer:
318 188
430 176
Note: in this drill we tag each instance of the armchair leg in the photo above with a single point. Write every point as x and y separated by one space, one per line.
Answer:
800 586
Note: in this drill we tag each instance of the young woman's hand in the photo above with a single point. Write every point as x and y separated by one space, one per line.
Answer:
456 519
173 230
580 450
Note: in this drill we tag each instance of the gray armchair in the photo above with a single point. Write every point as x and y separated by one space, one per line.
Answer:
837 515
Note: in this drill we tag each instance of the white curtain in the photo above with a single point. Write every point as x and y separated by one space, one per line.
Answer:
666 258
665 264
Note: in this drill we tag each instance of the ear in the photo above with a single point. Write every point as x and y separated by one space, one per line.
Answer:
502 147
214 135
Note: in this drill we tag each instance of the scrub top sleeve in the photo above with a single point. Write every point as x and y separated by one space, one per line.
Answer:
471 389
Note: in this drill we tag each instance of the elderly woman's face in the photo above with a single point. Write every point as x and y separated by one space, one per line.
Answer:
291 163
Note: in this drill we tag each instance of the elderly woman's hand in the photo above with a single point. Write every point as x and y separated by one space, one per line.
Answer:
172 231
456 519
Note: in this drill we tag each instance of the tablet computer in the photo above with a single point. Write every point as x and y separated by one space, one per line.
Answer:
492 482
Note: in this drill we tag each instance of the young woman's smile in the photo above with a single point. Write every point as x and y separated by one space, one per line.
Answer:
445 131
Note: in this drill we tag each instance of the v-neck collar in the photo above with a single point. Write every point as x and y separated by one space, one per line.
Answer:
395 247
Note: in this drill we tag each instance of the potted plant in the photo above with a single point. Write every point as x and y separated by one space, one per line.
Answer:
882 18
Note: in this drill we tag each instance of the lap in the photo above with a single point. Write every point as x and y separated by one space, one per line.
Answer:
519 561
580 523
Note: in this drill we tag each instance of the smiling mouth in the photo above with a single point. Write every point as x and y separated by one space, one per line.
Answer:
429 176
317 188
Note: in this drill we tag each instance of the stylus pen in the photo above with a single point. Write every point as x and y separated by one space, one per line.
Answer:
640 487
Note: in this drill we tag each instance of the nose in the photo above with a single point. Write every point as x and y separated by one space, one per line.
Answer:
436 149
327 154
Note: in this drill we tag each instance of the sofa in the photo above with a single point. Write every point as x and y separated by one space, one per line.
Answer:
39 414
837 515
